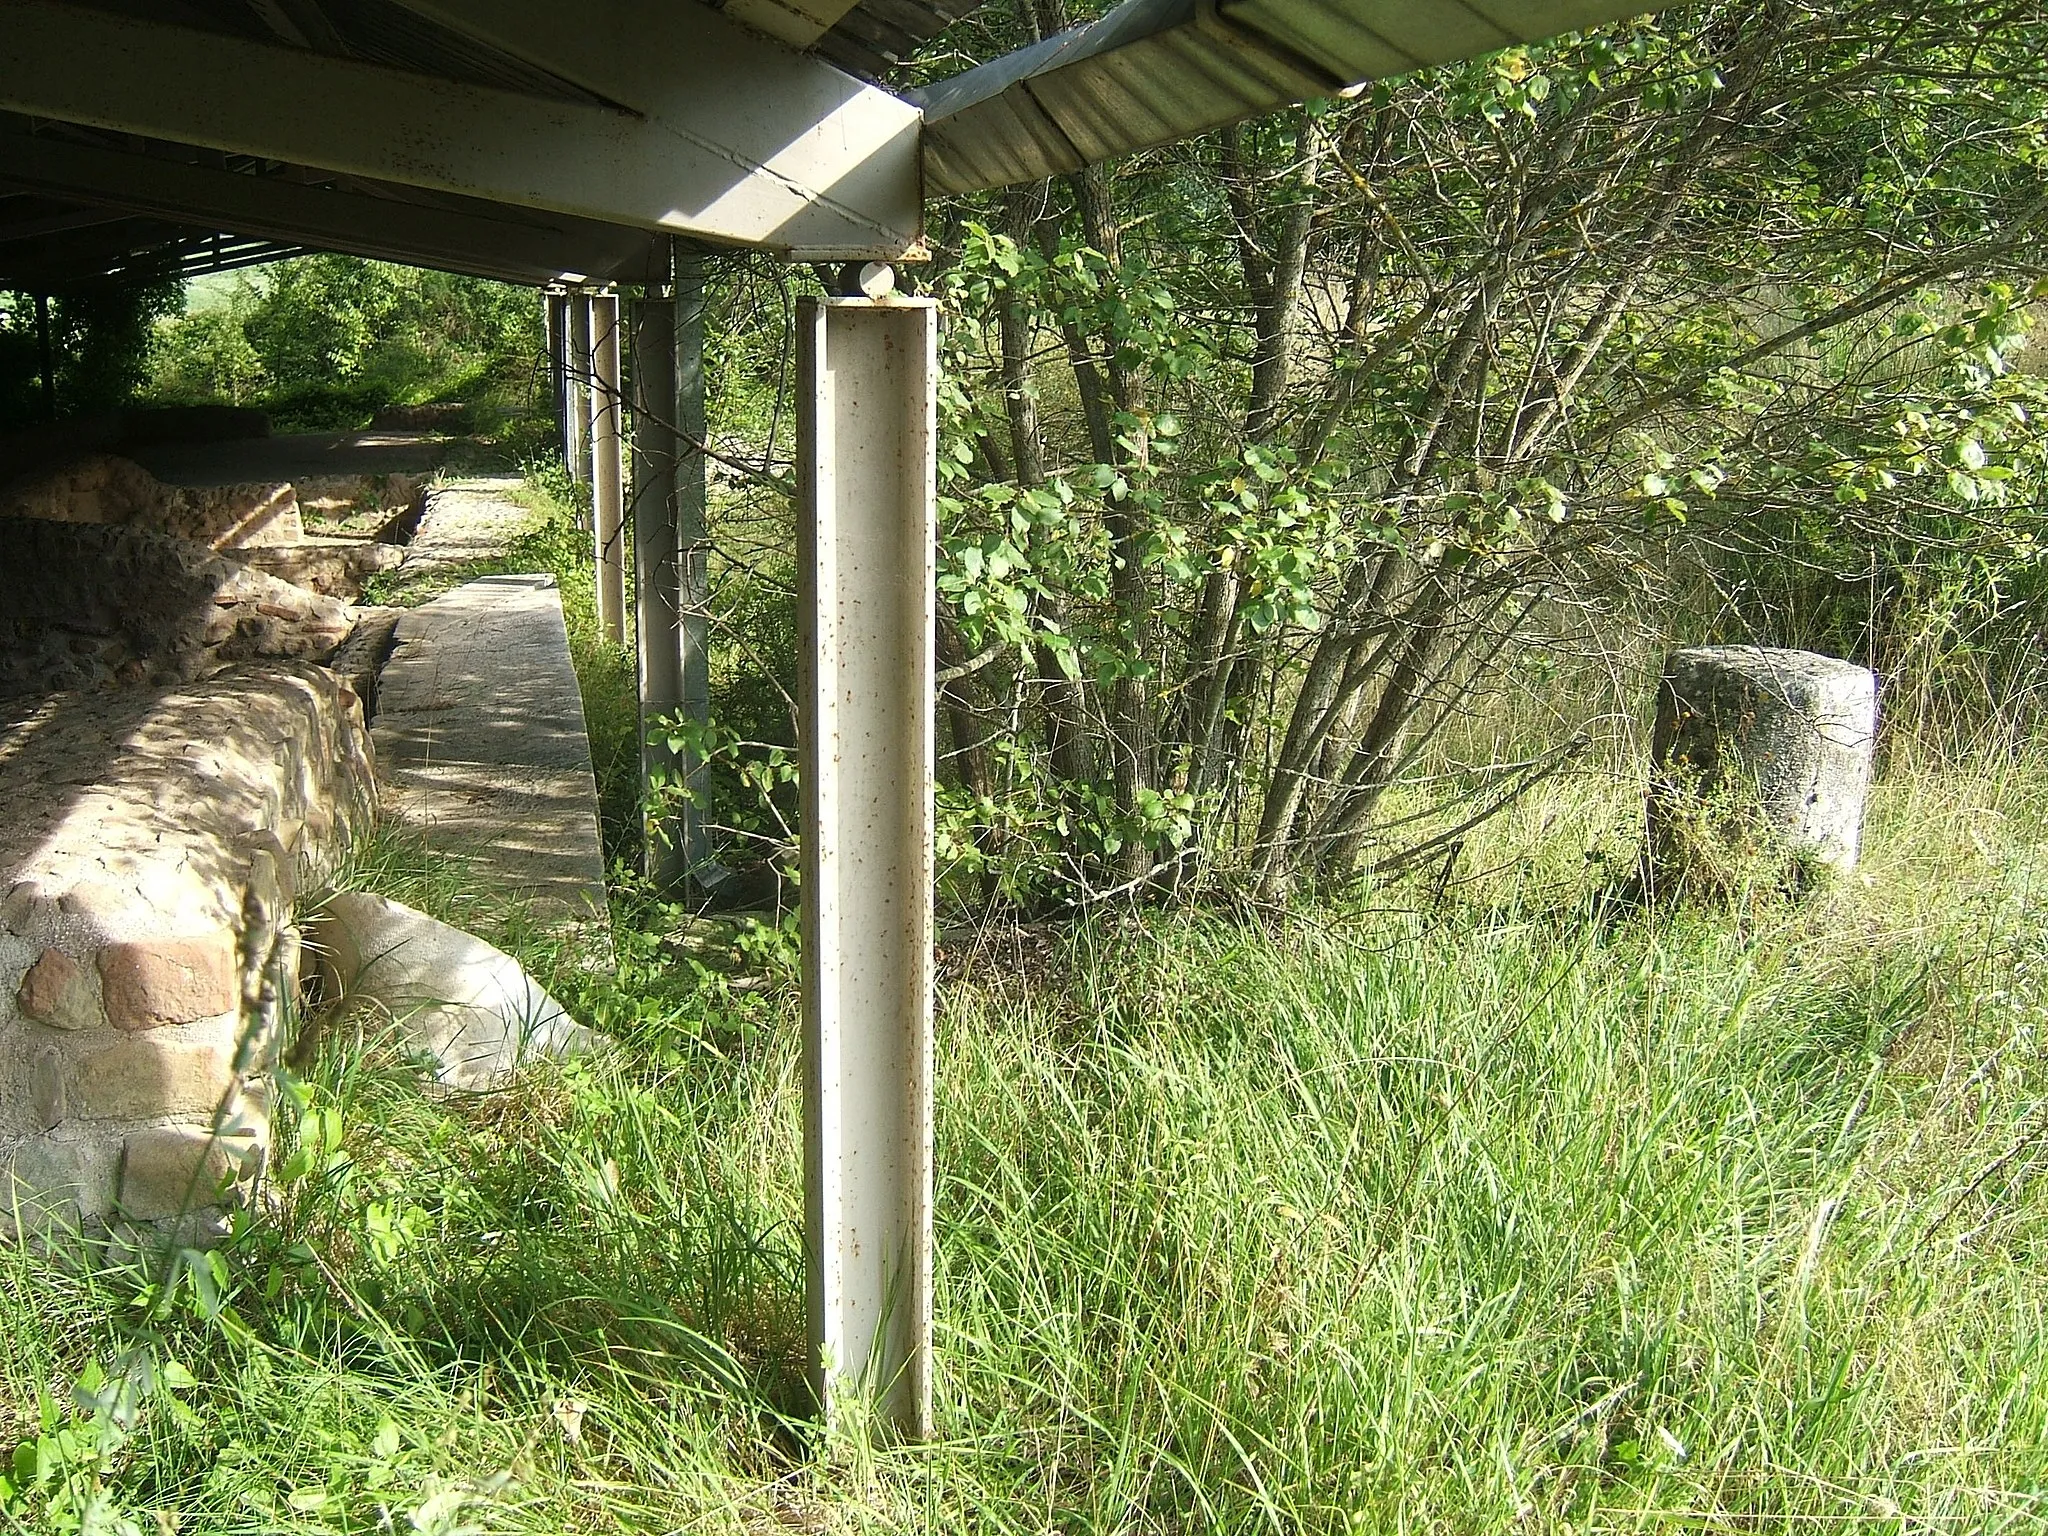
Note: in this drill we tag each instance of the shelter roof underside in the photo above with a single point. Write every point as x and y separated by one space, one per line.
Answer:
532 142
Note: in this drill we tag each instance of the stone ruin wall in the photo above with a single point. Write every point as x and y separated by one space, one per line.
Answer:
148 962
179 762
112 579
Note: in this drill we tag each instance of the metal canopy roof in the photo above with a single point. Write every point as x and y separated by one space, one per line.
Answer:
100 182
522 140
1155 71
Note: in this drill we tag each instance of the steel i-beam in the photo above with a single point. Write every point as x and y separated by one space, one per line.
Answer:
688 854
607 512
655 550
576 440
555 319
865 444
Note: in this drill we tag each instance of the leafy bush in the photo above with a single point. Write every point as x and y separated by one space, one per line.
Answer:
100 340
323 341
207 355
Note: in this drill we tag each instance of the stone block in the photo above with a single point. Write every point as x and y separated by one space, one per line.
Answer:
51 1179
25 909
169 1171
247 1114
466 1004
1757 752
146 1076
152 982
58 991
46 1084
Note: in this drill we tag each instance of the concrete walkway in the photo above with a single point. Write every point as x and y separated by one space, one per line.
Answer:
469 519
481 745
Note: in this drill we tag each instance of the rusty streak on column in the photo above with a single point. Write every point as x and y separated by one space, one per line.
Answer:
607 511
866 527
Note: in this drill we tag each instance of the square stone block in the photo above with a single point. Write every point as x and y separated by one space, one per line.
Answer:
151 982
149 1076
170 1171
56 1181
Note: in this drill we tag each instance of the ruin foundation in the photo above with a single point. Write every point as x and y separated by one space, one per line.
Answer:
154 842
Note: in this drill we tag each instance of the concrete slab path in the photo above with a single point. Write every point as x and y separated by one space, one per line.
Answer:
468 519
481 742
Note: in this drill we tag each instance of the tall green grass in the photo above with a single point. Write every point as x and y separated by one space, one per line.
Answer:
1478 1205
1482 1211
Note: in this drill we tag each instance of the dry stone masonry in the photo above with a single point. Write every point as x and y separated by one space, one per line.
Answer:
183 749
155 841
103 488
88 605
328 533
114 580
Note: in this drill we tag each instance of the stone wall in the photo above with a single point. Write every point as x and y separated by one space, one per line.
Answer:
85 605
326 533
154 842
102 488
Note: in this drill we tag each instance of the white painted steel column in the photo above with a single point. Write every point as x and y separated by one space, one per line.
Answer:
655 554
692 846
576 357
865 444
606 469
555 317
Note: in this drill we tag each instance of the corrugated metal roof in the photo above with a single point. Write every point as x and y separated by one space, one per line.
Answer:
876 36
1154 71
1149 72
96 248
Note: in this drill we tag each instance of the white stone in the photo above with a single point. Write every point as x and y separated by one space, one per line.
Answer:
468 1005
1794 730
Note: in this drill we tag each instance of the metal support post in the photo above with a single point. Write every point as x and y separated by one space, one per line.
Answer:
692 849
608 514
576 439
555 321
867 525
655 558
